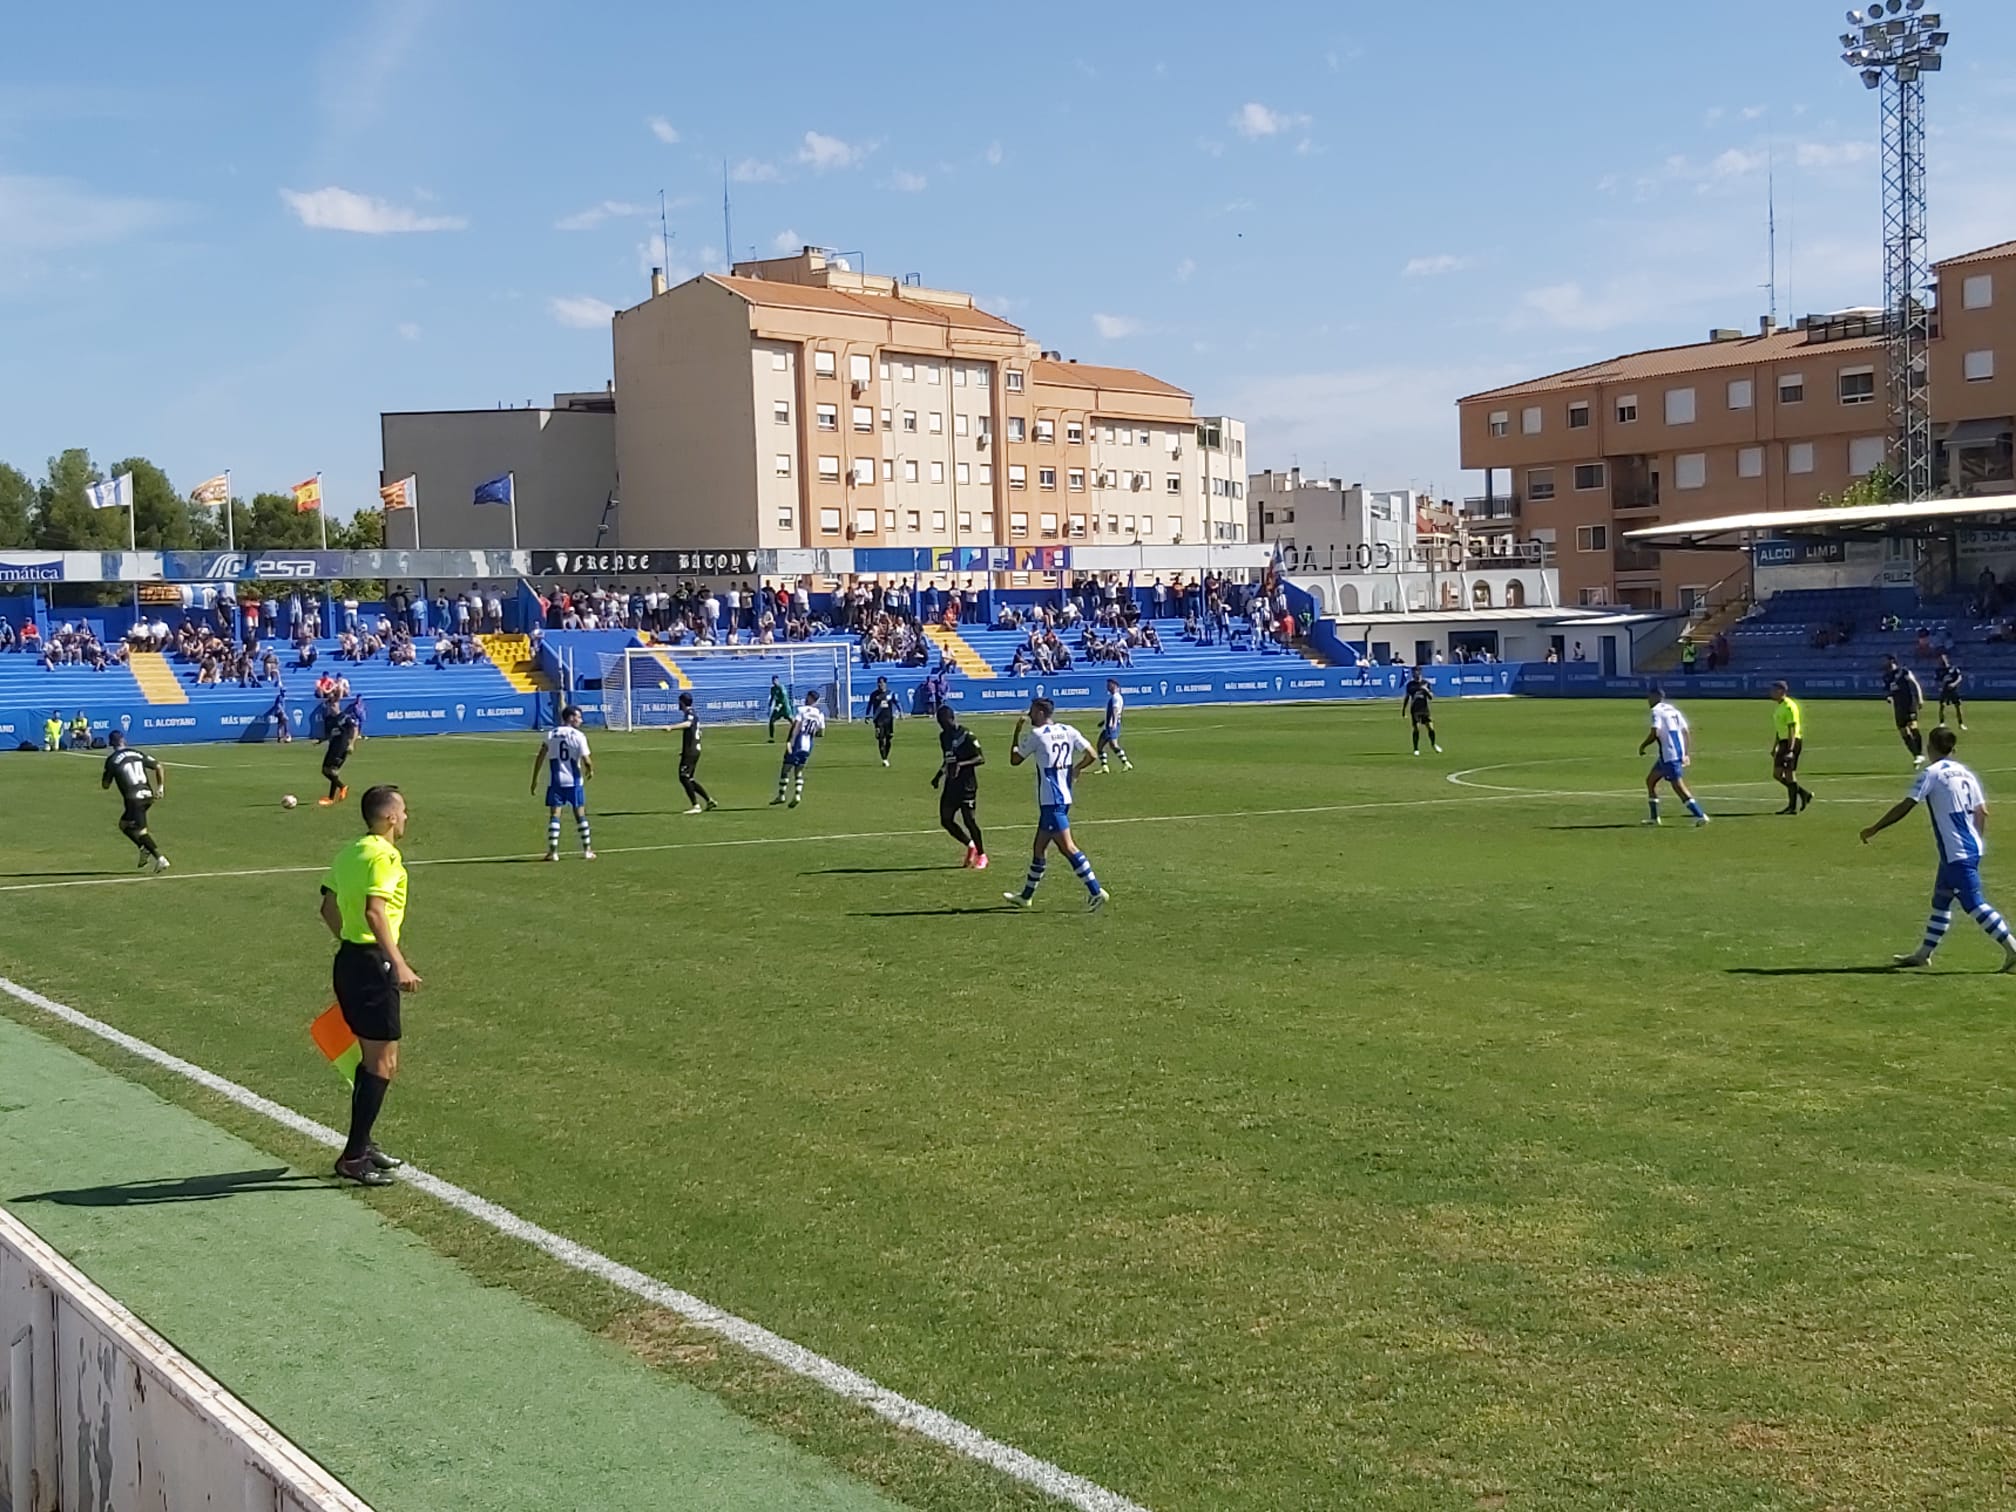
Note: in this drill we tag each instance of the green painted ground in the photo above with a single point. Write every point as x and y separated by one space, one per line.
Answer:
1394 1143
395 1369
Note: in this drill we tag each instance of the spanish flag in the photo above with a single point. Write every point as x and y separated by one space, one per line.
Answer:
308 496
333 1038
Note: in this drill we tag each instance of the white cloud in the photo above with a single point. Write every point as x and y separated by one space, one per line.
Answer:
1833 154
1254 121
994 154
822 152
583 312
1116 327
663 130
1185 268
754 171
907 182
595 215
1754 112
1570 307
1737 163
1435 266
49 213
408 331
787 242
334 209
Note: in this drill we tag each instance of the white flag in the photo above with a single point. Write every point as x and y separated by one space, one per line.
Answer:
117 494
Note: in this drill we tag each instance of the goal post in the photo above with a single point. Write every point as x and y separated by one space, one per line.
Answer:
641 684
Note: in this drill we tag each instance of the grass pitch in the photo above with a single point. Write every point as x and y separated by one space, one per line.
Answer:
1394 1142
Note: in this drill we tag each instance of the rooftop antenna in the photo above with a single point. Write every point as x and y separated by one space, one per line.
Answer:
1771 223
664 236
727 220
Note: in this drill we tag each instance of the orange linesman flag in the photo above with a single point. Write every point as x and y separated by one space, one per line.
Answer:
308 496
333 1038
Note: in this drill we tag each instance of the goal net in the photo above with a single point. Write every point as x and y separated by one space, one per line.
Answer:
642 684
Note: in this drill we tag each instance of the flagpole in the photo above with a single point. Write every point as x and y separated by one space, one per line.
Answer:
133 538
322 511
413 505
514 508
230 538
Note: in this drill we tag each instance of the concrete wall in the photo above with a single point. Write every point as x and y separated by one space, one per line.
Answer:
565 461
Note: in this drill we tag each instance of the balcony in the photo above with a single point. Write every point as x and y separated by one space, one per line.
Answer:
1503 507
1635 559
1625 497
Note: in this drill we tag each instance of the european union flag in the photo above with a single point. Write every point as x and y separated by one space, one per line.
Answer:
496 491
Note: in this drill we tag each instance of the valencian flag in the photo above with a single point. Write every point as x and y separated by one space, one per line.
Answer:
212 491
398 495
308 496
333 1038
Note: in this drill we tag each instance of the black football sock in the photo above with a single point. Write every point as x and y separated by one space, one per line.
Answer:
335 784
1917 743
1433 739
951 826
1417 740
973 828
366 1098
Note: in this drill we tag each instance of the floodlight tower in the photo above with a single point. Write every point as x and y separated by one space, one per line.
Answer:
1893 45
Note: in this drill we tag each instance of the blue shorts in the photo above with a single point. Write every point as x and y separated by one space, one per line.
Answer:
1053 818
796 758
1667 771
1110 734
1958 879
565 797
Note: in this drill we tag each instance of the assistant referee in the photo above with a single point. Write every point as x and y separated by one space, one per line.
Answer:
1788 724
364 905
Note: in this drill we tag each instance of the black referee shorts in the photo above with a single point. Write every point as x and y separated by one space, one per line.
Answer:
362 976
1785 755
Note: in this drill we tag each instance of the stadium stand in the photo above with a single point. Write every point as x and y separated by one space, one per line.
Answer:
1802 633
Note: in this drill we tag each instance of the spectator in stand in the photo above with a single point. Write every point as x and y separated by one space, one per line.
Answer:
493 613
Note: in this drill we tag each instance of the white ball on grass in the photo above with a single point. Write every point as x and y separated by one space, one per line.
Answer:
287 802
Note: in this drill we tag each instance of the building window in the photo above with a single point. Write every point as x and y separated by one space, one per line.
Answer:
1529 420
938 472
909 371
1750 462
1588 475
938 520
1979 366
829 522
963 473
1018 475
864 419
825 365
1016 430
1592 537
864 522
1106 434
910 421
1018 524
1014 380
1627 409
1501 423
781 412
1046 477
934 375
888 519
966 520
987 522
828 417
983 377
1591 598
1075 479
909 470
1742 393
986 472
958 377
1865 455
1680 406
783 516
1173 483
1540 484
888 469
1858 385
783 464
959 425
1799 457
859 367
1047 524
913 520
882 367
1077 524
1175 528
1142 438
1792 388
1112 524
935 422
864 470
1127 525
1046 431
1578 417
780 362
829 469
1978 293
888 421
1074 433
1126 435
1690 470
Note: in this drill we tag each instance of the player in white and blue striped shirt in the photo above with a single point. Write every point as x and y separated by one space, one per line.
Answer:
1669 732
1958 806
1109 731
1061 755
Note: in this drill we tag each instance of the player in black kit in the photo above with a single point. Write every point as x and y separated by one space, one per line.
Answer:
1900 686
882 713
689 756
140 781
1419 700
958 782
342 735
1950 678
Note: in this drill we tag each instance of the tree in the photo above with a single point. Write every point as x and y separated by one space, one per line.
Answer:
161 516
1880 487
17 498
274 524
64 519
363 531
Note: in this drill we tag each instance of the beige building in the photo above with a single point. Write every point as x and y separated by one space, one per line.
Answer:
796 403
1736 424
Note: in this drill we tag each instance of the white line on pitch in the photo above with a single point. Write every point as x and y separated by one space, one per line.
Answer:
940 1427
893 834
194 766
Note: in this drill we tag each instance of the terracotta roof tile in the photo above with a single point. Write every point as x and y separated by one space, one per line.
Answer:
763 291
1673 362
2000 249
1085 375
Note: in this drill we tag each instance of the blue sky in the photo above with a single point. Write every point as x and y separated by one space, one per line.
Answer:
234 242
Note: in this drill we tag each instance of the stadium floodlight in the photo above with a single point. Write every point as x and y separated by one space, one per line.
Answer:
1900 43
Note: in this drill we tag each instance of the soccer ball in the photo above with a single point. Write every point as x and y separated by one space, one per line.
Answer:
287 802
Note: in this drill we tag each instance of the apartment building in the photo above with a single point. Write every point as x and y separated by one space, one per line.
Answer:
1736 424
796 402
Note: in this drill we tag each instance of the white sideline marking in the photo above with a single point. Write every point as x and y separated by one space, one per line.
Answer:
127 878
851 1385
193 766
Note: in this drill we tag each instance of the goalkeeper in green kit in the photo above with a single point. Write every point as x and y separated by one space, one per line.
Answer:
780 707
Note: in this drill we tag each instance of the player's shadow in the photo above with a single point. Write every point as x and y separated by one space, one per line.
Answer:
1799 971
101 872
928 913
876 871
167 1189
